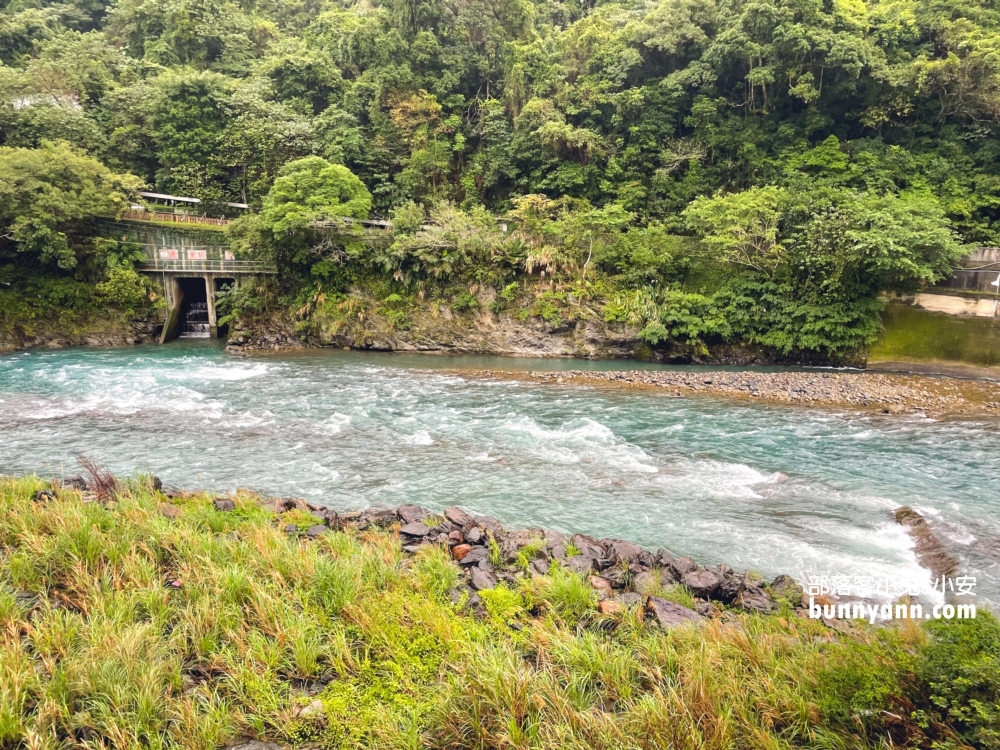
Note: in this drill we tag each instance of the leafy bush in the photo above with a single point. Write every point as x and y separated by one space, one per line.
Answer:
125 289
960 667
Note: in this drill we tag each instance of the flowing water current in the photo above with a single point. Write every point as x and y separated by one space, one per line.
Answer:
775 489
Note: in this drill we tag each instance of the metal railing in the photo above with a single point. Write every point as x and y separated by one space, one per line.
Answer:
174 218
207 266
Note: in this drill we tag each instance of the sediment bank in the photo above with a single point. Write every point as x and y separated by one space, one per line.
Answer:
888 393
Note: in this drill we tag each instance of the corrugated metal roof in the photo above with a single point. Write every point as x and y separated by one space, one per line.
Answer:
162 197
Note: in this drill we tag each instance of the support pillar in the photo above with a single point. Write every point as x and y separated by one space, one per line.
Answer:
213 323
174 293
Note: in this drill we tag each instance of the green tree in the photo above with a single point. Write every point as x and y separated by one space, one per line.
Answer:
310 191
45 192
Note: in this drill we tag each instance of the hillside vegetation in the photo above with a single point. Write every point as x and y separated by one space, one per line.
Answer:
701 171
127 621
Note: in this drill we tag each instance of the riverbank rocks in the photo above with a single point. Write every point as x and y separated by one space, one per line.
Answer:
930 552
667 614
623 575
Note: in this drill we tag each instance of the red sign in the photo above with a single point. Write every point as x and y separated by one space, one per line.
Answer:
168 254
197 254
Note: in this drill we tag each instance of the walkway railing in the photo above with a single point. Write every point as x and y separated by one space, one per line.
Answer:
174 218
207 266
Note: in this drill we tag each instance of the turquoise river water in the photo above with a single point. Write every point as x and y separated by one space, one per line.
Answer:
776 489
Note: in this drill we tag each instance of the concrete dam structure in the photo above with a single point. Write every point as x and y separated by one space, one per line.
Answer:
193 262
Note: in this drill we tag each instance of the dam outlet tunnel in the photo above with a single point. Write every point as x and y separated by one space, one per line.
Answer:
194 321
191 306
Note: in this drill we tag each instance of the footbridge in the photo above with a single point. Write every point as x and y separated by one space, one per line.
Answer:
191 257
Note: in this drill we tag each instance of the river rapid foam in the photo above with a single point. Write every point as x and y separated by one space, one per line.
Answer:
771 488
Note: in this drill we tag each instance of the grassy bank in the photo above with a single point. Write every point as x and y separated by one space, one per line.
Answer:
130 623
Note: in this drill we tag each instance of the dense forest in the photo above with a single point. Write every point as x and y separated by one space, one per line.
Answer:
754 171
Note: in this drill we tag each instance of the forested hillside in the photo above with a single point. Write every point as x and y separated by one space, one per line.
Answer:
755 171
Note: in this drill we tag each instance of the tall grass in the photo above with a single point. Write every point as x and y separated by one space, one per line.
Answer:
121 628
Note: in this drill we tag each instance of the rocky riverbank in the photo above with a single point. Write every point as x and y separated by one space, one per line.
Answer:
623 574
668 589
888 393
96 333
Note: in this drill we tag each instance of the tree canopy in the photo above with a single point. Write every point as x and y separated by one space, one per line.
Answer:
826 150
44 191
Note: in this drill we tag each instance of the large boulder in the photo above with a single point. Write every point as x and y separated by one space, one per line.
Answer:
683 565
667 614
459 517
491 524
482 579
415 529
755 599
785 587
412 513
620 551
703 583
578 564
474 556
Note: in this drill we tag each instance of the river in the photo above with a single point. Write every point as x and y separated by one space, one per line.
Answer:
770 488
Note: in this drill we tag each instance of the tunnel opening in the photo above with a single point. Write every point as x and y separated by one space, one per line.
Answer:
223 288
194 309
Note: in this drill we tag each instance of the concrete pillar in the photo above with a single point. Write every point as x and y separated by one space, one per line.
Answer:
175 296
213 323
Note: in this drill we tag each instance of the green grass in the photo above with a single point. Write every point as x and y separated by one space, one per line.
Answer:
122 628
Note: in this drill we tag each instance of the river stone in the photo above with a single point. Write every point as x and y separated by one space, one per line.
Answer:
602 586
224 504
255 745
490 524
74 483
459 517
44 496
785 587
415 529
625 551
474 536
588 546
377 516
609 607
454 537
412 513
459 551
703 583
558 551
475 556
314 531
578 564
667 614
684 565
755 599
540 566
618 576
629 599
646 583
730 587
664 559
481 579
168 511
314 709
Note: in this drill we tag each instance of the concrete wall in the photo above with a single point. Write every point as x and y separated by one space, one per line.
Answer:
980 307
